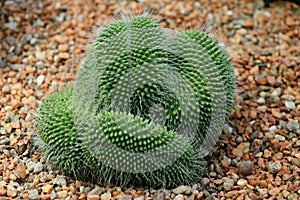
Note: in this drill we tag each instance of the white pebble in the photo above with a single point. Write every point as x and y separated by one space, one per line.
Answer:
290 105
40 79
242 182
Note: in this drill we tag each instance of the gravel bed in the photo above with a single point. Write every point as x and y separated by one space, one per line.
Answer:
42 44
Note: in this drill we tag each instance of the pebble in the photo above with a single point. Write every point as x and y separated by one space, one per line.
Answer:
40 79
274 167
106 196
60 180
179 197
93 197
272 129
63 55
263 193
40 55
274 191
11 191
278 155
33 194
39 64
11 25
293 126
280 137
296 161
48 189
30 165
293 196
242 182
261 100
290 105
246 168
97 191
62 194
228 184
182 190
20 170
4 142
205 181
53 195
38 167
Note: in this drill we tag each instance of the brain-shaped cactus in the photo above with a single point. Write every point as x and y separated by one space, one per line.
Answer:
145 109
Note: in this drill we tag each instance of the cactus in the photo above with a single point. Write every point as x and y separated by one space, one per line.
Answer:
145 108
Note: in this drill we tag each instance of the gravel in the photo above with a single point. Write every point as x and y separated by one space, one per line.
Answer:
274 167
257 157
228 184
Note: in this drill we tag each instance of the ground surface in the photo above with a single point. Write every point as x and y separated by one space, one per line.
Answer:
43 42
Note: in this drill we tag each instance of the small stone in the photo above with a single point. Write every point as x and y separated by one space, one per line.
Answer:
38 167
93 197
245 168
274 167
20 170
11 191
15 103
30 165
33 194
60 180
263 193
48 189
39 64
290 105
179 197
11 25
276 113
263 183
242 182
293 196
252 114
40 79
62 194
53 195
106 196
63 55
97 191
2 191
205 181
278 155
40 55
296 161
274 191
272 129
280 137
261 100
63 47
182 190
228 184
4 142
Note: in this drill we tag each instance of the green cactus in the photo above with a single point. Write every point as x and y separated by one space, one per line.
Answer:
144 110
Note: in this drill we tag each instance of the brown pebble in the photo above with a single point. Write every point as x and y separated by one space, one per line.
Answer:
93 197
263 183
252 114
63 47
253 180
11 191
82 196
274 191
63 55
45 197
48 189
2 191
15 103
20 170
62 194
